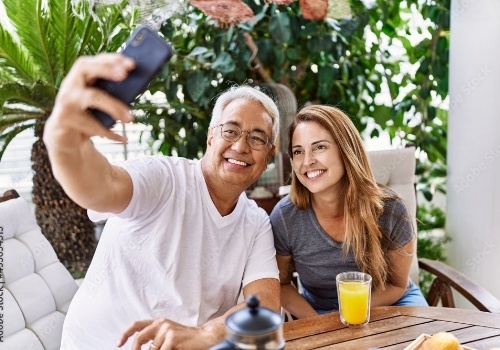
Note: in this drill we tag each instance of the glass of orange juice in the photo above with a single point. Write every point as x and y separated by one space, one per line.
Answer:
354 293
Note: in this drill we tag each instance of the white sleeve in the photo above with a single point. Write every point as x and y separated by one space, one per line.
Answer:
151 181
262 260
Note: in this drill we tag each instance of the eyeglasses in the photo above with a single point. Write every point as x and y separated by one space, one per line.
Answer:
257 140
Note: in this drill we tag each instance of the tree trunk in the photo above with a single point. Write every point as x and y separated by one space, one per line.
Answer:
63 222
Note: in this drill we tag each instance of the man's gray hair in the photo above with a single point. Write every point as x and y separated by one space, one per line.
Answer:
247 93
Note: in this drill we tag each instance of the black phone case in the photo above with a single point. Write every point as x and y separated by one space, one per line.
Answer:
150 53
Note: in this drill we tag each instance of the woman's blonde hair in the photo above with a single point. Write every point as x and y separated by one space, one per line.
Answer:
363 198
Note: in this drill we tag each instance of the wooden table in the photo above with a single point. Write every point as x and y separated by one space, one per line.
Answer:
394 328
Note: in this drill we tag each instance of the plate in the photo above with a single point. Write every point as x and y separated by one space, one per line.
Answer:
417 343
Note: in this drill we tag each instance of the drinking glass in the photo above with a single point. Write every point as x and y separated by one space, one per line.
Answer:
354 294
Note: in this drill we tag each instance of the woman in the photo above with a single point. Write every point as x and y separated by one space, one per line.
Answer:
337 218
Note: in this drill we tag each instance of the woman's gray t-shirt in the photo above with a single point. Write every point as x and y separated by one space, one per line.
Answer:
317 257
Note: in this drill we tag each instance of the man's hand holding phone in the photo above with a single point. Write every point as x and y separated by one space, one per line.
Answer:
96 86
98 90
150 53
71 122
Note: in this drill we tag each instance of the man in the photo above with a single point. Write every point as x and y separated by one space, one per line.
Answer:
181 239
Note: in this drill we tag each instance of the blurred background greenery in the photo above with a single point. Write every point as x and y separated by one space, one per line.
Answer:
384 63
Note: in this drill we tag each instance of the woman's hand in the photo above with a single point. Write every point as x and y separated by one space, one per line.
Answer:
167 335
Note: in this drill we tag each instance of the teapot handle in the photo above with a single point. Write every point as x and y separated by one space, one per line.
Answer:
225 345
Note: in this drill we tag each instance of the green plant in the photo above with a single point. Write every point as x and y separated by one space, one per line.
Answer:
430 242
39 41
348 62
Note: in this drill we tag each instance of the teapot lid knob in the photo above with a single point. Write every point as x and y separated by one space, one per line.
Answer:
253 303
253 319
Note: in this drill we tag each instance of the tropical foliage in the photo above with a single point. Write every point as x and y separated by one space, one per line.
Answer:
374 65
39 41
388 72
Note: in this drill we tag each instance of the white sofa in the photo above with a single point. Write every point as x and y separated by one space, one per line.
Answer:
37 288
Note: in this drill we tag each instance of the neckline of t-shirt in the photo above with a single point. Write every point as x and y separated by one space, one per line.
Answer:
218 219
322 232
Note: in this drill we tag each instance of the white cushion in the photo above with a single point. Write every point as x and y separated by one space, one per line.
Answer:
18 261
49 330
395 168
37 289
12 313
33 297
22 340
61 285
16 217
41 250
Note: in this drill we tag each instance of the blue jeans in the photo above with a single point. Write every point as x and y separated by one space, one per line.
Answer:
412 297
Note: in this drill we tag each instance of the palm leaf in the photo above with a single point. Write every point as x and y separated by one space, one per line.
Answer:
16 57
7 137
31 21
38 95
8 120
117 28
68 30
108 22
7 73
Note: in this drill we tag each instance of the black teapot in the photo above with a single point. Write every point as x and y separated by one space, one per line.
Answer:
253 328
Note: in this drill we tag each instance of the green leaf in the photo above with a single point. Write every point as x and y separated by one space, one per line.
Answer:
388 30
280 56
424 66
7 73
224 63
266 49
196 84
17 58
32 26
198 50
7 120
425 92
374 133
292 54
431 112
105 29
325 81
40 96
6 138
310 29
279 28
427 194
382 114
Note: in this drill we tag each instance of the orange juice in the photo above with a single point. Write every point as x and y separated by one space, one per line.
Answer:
354 301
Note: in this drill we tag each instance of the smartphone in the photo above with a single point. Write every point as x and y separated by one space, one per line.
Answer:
150 52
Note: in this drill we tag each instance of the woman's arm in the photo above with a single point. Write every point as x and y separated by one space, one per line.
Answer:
291 300
399 263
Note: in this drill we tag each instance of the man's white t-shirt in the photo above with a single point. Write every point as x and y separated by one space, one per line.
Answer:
169 254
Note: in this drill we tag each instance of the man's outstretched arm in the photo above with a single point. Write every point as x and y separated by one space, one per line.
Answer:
85 174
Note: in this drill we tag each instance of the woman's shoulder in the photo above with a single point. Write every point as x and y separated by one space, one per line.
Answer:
284 209
391 199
